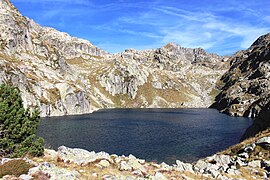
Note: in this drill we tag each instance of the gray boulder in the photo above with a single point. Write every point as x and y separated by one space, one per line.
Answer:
264 142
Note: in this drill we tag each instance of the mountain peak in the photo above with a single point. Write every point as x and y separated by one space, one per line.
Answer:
6 5
262 40
171 45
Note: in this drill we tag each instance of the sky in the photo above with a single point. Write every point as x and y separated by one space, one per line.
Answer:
218 26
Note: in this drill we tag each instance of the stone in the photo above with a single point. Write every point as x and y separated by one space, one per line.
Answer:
222 159
200 166
223 168
250 147
158 176
244 155
124 166
266 165
165 167
137 173
117 160
55 172
80 156
104 163
222 177
255 164
99 166
240 162
25 177
264 142
135 165
214 173
231 172
50 154
181 166
109 177
9 177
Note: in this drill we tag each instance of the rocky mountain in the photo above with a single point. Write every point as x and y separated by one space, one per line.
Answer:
245 87
64 75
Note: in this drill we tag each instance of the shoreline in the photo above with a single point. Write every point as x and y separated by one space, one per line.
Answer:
240 161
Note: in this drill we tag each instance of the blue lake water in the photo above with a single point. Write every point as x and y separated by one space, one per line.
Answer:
160 135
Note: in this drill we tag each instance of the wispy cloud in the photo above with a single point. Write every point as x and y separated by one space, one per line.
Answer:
218 26
188 15
248 33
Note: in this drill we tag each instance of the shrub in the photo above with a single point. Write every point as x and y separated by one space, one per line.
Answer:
17 126
14 167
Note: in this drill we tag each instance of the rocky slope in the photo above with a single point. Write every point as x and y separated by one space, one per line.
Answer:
63 75
248 160
245 87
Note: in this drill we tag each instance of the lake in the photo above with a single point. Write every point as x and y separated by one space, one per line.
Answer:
160 135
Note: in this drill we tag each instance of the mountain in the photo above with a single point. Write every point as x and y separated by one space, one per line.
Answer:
245 87
64 75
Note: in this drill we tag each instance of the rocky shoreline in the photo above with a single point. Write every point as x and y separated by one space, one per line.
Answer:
247 160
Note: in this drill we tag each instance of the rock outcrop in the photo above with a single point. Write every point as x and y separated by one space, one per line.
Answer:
64 75
245 87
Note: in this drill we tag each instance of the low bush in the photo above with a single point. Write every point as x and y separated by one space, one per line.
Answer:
14 167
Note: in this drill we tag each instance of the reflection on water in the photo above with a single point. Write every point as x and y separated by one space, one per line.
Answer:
152 134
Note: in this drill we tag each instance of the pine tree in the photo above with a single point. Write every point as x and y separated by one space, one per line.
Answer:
17 126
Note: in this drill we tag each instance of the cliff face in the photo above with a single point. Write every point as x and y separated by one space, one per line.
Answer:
63 75
245 87
33 58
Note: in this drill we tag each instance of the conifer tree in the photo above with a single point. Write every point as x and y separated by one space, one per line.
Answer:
17 126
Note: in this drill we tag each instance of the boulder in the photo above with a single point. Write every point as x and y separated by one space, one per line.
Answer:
124 166
181 166
264 142
104 163
165 167
80 156
200 166
55 172
255 164
266 165
158 176
250 147
135 165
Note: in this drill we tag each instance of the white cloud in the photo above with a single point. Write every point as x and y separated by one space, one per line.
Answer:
247 32
160 23
188 15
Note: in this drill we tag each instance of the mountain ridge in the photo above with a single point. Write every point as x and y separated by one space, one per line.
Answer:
63 75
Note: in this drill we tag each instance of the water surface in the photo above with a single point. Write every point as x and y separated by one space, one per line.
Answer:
152 134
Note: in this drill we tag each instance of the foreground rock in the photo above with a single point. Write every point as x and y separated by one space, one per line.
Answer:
247 160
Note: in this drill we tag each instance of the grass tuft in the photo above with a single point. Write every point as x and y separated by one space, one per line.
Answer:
15 167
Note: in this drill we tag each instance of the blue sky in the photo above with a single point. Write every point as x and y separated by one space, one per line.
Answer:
219 26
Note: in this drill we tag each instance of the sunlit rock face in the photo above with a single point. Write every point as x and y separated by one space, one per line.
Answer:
62 75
